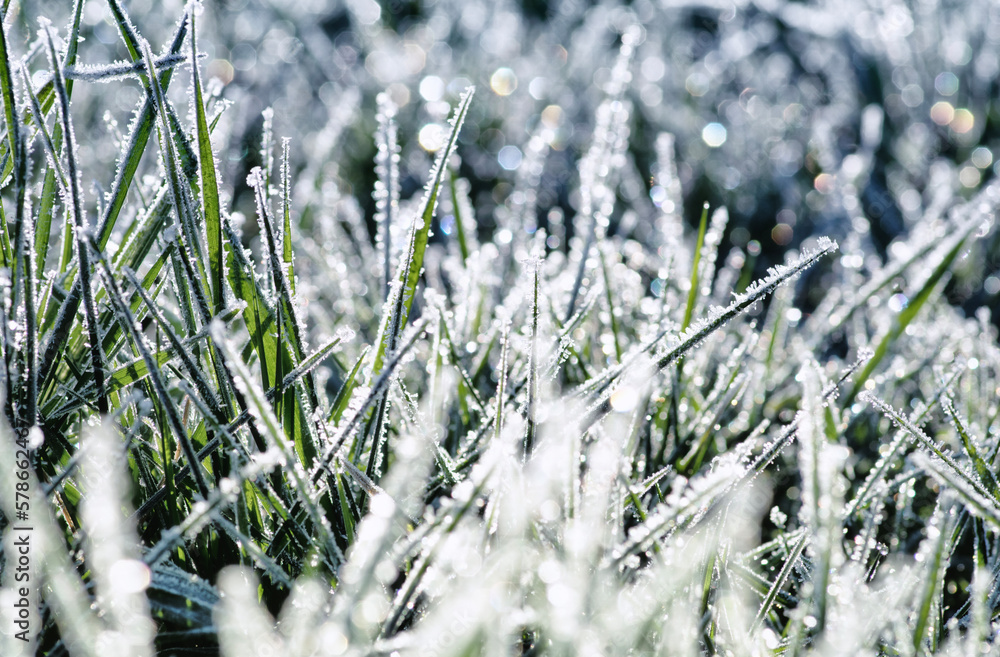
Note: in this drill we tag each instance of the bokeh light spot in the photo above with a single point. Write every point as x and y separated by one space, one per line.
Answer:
432 137
781 234
432 88
946 83
509 157
503 82
552 116
963 121
697 84
714 134
982 157
970 177
823 183
942 112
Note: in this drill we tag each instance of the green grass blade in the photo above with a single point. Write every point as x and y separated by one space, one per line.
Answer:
699 331
409 272
135 371
978 504
379 387
933 553
289 331
7 93
144 232
397 308
163 397
969 481
773 593
469 388
188 360
907 314
47 139
257 316
125 173
142 127
340 402
311 363
80 224
47 201
23 285
265 418
692 297
376 433
350 520
286 212
458 208
891 453
968 442
289 320
209 183
113 336
45 97
189 249
134 43
685 507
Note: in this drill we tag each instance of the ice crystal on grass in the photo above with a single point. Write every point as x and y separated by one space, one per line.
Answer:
387 187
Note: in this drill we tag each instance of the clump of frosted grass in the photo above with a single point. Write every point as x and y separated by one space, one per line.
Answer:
554 416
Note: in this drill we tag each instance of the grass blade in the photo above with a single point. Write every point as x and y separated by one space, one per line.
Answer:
23 265
955 472
410 269
699 331
530 428
286 212
462 210
968 442
907 314
694 283
340 402
173 415
183 210
209 182
127 167
264 416
377 390
774 591
387 184
980 505
80 226
933 554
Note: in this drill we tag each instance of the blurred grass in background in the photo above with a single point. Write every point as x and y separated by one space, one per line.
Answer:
764 98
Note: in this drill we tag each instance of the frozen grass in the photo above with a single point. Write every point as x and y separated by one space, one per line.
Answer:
537 408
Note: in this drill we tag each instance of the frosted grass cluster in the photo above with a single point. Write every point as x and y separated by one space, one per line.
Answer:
628 328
